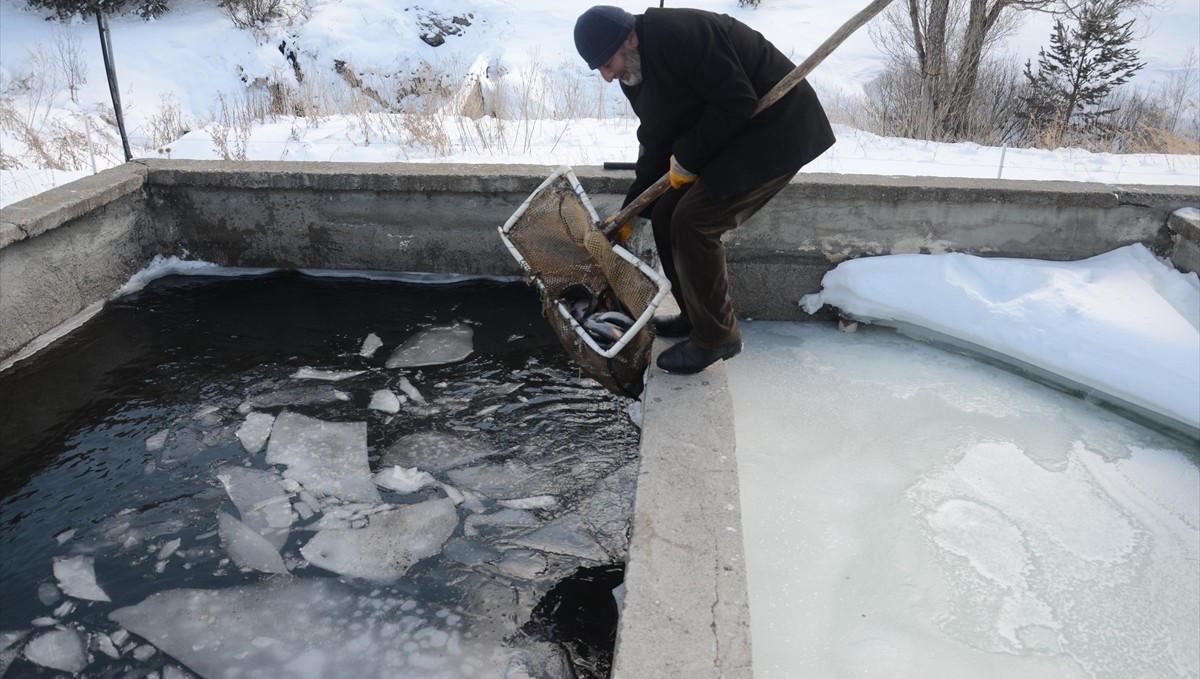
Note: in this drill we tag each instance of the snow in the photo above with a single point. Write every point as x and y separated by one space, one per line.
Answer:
519 53
1123 323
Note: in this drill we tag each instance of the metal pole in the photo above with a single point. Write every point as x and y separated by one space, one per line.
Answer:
111 70
1000 171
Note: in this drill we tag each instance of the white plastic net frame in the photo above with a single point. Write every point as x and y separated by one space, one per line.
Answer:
554 237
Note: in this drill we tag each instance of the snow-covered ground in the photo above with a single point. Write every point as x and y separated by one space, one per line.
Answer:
182 70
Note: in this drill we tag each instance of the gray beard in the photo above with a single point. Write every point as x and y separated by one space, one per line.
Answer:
633 68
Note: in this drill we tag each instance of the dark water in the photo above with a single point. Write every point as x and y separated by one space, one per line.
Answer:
185 356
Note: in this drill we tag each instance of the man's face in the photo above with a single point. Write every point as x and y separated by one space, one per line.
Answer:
625 65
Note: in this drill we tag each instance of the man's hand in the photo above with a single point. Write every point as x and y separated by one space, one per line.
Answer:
679 176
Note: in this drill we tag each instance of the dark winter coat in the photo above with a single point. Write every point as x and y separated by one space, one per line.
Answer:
703 75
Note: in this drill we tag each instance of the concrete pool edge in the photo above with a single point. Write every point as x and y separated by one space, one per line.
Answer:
686 608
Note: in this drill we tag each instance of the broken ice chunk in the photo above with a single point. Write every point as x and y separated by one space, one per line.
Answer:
77 577
434 346
512 478
505 518
307 373
310 628
253 433
535 502
404 480
60 649
370 345
328 458
384 400
469 551
268 397
569 536
156 442
247 548
434 451
389 545
261 501
411 391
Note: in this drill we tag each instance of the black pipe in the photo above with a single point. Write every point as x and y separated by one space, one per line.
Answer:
111 71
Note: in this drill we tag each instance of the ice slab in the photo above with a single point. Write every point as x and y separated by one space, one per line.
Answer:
512 478
272 396
404 480
327 458
370 345
308 373
60 649
77 577
314 628
255 430
434 451
390 544
261 500
247 548
385 401
434 346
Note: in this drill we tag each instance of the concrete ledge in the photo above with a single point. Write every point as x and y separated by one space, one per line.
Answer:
686 613
1185 232
52 209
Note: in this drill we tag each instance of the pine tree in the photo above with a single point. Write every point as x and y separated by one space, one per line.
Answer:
1084 65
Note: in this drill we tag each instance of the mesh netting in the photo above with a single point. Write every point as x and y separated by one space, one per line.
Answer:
556 235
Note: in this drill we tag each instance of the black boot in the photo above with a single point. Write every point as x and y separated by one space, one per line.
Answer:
687 357
671 326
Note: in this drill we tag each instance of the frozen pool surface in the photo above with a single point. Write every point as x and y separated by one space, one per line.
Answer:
910 512
293 476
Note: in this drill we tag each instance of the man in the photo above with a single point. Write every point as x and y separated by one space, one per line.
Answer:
694 78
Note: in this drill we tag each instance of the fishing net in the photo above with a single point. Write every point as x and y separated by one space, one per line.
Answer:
553 236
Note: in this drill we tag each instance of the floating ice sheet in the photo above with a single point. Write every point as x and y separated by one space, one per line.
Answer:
434 451
314 628
60 649
434 346
255 430
77 577
327 458
389 545
261 501
248 549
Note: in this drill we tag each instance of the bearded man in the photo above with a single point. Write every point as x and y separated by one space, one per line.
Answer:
694 79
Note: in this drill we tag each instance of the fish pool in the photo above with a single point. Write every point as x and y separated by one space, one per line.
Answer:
293 475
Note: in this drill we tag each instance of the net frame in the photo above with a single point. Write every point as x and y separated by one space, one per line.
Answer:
553 235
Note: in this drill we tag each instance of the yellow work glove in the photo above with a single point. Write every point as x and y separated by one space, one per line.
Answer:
679 176
625 232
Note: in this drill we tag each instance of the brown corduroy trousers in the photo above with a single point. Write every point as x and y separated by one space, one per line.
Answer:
688 225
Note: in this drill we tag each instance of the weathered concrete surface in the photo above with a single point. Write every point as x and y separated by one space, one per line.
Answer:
65 250
687 612
1184 226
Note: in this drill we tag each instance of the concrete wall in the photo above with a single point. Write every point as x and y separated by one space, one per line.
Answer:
70 247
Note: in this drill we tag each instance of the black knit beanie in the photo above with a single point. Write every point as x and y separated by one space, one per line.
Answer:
600 31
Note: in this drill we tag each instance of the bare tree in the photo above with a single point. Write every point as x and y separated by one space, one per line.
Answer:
946 44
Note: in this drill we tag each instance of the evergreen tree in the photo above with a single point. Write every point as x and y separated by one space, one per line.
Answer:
1084 64
66 9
